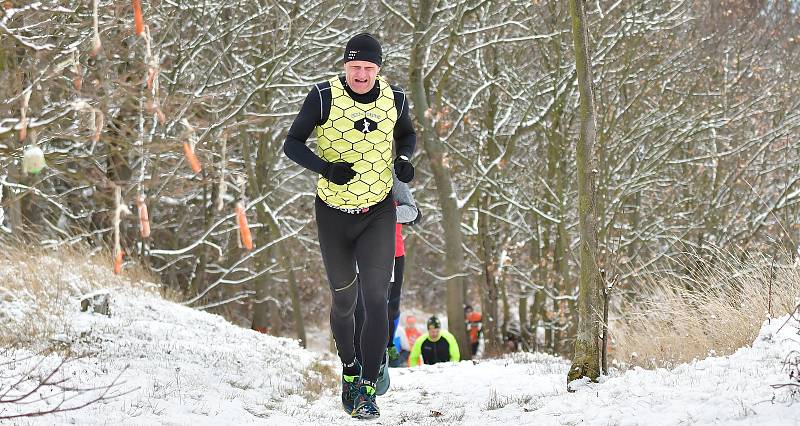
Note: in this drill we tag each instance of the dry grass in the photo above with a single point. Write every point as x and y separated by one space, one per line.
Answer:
321 378
40 287
496 401
718 310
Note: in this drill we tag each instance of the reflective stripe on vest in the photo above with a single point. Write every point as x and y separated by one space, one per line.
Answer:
361 134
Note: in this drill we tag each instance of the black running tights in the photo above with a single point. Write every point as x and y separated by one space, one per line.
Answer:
395 289
368 239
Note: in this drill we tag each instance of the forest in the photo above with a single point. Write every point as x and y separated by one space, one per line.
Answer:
181 108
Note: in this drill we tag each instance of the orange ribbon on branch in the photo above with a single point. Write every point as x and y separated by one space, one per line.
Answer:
194 163
244 230
138 20
118 262
144 217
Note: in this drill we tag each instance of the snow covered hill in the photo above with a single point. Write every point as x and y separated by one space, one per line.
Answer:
180 366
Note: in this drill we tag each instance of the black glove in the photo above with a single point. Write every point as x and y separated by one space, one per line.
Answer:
339 173
416 219
403 169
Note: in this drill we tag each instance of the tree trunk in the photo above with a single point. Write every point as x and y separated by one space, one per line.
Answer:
523 322
489 293
501 283
445 187
557 166
261 315
561 266
538 256
264 311
294 294
586 358
198 282
10 60
13 201
537 317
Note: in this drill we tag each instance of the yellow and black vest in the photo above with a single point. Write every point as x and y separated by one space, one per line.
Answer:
361 134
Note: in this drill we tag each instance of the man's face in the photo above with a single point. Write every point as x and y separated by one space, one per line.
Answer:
360 75
433 332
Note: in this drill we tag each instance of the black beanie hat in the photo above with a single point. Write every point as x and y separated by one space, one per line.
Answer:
363 47
434 322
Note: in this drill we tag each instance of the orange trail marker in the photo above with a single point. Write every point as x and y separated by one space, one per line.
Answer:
194 163
144 217
138 20
118 262
244 230
23 132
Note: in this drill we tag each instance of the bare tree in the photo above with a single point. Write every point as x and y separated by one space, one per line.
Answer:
586 359
684 164
38 391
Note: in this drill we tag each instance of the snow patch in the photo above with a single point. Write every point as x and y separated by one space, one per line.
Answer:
182 366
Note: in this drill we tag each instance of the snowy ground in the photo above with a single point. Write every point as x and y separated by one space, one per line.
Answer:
189 367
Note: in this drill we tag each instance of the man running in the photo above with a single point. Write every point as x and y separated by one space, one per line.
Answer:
357 117
435 346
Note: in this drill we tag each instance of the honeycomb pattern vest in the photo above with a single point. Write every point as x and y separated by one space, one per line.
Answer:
361 134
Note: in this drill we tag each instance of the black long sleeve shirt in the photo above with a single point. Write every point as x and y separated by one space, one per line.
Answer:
315 111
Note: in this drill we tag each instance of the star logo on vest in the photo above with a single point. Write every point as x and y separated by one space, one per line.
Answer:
365 125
